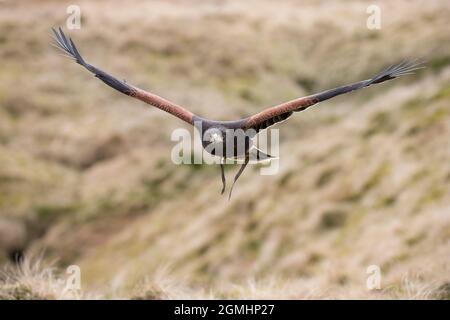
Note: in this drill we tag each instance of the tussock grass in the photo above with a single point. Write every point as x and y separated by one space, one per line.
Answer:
33 280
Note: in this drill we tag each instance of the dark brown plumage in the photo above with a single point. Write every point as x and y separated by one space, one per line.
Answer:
217 135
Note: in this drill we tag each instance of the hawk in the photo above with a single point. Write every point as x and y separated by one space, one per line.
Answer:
232 139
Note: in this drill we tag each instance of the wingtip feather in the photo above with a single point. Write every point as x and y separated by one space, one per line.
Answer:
405 67
66 45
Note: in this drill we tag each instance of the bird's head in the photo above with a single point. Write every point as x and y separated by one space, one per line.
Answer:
214 136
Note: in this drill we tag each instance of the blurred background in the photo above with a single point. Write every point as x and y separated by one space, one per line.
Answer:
86 177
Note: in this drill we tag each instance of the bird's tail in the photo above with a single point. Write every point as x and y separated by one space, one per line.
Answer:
257 155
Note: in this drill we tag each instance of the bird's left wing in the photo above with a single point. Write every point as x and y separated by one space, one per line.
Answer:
68 47
270 116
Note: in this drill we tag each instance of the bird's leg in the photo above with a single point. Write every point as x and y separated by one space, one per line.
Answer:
247 158
223 175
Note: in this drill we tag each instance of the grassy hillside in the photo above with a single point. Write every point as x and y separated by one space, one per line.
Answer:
86 176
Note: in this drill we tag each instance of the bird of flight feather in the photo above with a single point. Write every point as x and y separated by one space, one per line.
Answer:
254 123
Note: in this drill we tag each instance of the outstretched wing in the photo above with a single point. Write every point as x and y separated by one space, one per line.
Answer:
68 47
276 114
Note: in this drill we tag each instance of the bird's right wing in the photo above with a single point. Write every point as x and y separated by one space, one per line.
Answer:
68 47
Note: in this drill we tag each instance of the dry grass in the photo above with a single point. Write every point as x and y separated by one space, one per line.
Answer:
85 174
33 280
